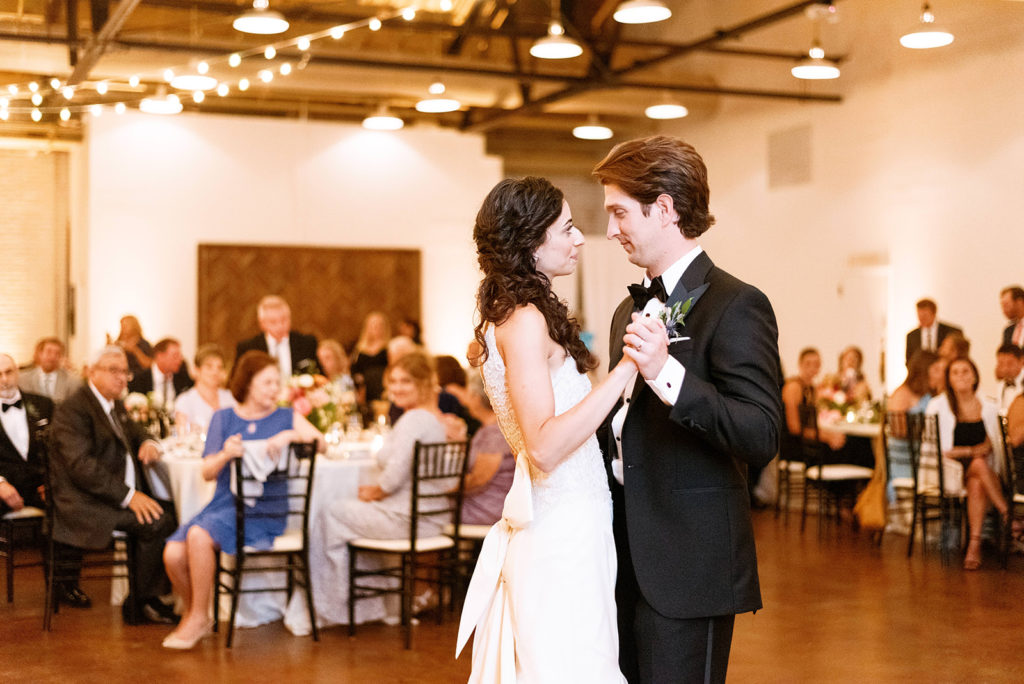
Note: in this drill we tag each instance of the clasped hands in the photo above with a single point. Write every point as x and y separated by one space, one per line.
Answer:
646 341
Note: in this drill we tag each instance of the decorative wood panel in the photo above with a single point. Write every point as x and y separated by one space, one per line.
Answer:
330 290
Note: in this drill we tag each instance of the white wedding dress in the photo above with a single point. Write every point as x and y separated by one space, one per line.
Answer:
542 595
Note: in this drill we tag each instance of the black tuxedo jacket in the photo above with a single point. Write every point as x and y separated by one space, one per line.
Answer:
914 338
682 518
26 475
1008 333
88 469
143 382
303 348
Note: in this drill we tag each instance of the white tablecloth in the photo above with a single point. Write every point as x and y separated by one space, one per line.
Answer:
338 475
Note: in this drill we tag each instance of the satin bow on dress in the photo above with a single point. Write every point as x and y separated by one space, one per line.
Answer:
488 608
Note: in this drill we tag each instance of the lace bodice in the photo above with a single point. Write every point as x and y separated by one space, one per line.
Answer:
582 473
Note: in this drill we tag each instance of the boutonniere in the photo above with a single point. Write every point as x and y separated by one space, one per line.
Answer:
674 317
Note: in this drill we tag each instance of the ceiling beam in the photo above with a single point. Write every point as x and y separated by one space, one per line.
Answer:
101 40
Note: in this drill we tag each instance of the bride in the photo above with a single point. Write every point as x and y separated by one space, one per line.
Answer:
542 596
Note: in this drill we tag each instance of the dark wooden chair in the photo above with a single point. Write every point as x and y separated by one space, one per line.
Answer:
15 527
901 442
1013 482
935 499
438 474
286 491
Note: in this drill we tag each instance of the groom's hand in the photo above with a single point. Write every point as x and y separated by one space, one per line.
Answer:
646 343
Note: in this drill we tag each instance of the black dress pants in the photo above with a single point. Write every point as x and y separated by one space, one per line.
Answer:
687 651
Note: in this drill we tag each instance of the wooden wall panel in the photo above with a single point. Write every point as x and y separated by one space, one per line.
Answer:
330 290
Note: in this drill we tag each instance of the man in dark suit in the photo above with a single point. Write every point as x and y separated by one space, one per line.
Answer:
295 352
1011 299
704 406
99 484
930 331
23 419
167 376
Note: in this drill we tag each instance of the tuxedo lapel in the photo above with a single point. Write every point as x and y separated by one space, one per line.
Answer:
6 444
693 282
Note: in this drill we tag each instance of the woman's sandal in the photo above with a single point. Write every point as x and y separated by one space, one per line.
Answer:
973 562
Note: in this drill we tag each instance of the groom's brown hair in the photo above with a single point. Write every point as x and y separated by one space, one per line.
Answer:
661 165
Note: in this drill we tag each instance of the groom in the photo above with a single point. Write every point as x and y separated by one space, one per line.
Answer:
704 407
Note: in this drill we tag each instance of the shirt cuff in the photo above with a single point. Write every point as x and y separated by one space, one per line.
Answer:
127 499
669 381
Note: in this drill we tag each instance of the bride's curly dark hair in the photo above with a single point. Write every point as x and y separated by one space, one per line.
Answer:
510 226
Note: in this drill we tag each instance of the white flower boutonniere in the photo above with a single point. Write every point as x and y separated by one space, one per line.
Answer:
674 317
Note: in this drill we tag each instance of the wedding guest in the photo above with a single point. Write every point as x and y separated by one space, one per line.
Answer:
451 376
399 346
1011 299
48 376
491 461
99 484
911 397
334 364
167 376
968 429
931 332
849 379
1009 373
196 406
1015 422
954 346
190 554
370 357
295 352
410 327
381 510
23 421
139 351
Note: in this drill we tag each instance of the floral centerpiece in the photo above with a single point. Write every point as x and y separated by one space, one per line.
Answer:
835 405
321 401
151 412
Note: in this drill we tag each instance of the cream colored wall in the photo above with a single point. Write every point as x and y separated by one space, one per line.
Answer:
915 191
160 186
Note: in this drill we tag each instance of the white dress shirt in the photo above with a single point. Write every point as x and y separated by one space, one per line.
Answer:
930 337
670 378
282 351
163 385
15 422
129 464
1007 393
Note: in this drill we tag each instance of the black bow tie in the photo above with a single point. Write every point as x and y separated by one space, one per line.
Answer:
641 295
16 404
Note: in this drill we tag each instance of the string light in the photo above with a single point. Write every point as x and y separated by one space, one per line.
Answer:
446 5
65 114
202 68
101 87
12 89
234 60
270 52
133 81
36 115
303 43
119 108
266 75
55 83
97 110
337 32
168 75
375 24
409 13
68 92
285 68
37 99
222 89
33 86
198 96
243 84
4 114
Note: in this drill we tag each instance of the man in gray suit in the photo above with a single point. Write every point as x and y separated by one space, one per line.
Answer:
48 376
99 484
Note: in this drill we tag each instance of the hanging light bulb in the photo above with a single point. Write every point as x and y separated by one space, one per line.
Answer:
666 111
926 34
4 115
243 84
303 43
133 81
337 32
261 20
285 68
33 86
592 130
642 12
96 109
12 89
36 115
65 114
119 108
266 75
68 92
55 83
37 99
101 88
815 67
222 89
270 52
409 13
375 24
436 88
234 60
383 120
198 96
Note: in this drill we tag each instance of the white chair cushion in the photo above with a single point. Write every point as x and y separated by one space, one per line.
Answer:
402 545
903 482
796 466
1018 498
26 512
468 531
839 471
289 541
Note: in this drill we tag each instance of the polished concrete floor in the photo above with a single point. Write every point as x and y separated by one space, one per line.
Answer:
837 609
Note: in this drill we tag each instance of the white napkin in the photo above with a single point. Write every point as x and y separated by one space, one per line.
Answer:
258 463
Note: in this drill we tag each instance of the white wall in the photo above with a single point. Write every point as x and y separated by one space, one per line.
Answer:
920 169
158 186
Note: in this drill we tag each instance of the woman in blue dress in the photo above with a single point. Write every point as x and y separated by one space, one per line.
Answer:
190 553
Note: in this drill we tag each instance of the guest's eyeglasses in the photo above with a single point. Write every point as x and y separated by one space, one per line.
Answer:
123 372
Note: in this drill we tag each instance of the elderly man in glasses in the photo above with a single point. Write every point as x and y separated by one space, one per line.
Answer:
99 484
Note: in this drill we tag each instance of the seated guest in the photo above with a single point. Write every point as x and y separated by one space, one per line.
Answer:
48 376
370 357
167 376
910 397
195 407
190 555
850 379
968 429
954 346
1010 374
22 422
382 508
294 351
410 327
451 376
139 351
1015 422
491 462
334 364
99 484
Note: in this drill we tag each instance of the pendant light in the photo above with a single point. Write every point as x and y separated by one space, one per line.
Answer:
666 110
261 20
592 130
926 34
383 120
437 104
555 45
815 67
642 12
161 104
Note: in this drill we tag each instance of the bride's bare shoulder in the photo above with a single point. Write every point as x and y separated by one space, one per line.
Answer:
525 321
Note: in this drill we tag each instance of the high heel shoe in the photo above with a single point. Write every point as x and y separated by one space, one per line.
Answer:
972 561
173 641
